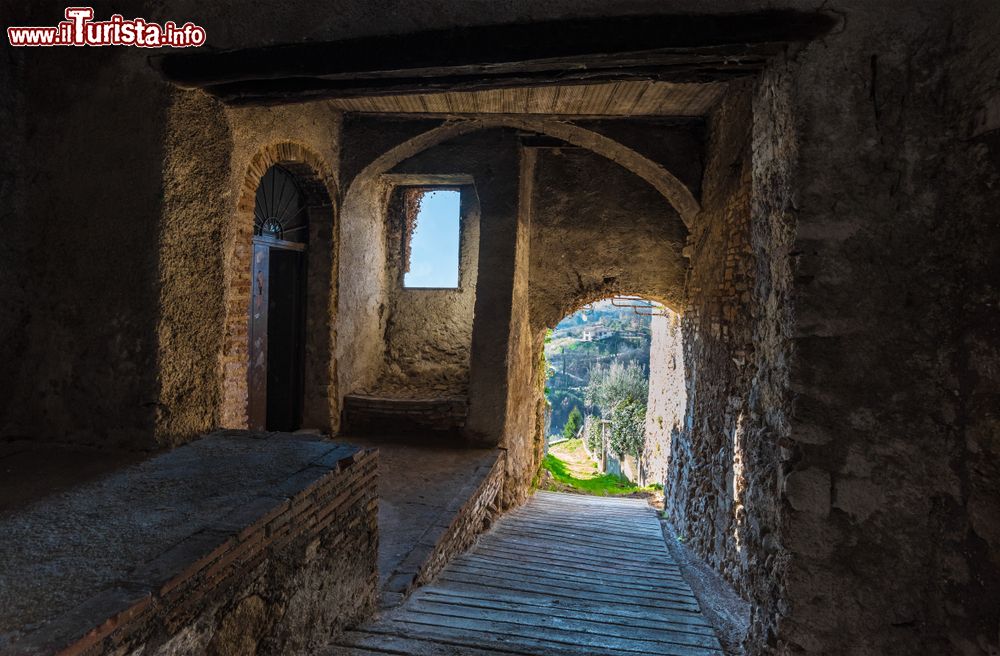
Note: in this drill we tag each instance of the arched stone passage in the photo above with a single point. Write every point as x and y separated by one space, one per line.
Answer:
592 241
316 182
667 395
362 285
541 326
505 341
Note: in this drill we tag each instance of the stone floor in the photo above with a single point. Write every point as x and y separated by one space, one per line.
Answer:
69 548
564 575
30 471
419 479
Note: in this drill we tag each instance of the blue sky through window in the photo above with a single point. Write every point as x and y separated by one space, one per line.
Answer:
434 244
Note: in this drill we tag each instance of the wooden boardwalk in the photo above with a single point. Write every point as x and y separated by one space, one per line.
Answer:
564 575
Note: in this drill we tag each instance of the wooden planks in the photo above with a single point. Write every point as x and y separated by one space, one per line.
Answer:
663 47
564 575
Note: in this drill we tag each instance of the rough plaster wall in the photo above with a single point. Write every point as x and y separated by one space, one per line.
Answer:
86 366
677 144
522 437
892 519
320 401
362 286
497 183
589 241
205 258
971 592
667 395
429 331
195 211
367 138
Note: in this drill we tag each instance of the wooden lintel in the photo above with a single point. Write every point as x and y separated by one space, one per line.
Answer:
428 179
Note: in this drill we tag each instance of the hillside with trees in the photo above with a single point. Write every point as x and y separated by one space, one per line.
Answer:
584 349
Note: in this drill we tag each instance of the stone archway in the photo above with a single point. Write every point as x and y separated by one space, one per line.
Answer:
667 394
675 191
319 190
362 276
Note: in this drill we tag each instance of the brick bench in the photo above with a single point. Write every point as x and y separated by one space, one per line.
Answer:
235 543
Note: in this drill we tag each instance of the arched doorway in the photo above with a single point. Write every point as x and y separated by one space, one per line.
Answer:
277 303
614 392
286 203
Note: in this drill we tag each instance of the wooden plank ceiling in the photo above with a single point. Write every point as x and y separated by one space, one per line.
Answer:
626 98
575 66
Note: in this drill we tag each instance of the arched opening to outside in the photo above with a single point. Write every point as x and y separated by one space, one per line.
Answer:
615 393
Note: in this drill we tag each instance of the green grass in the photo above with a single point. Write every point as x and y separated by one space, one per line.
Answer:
601 485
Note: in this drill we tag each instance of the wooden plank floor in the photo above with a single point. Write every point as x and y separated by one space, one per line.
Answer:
564 575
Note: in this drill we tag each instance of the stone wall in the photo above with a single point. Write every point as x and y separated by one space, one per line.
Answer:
837 462
395 415
216 156
772 235
667 395
970 591
293 580
478 505
890 485
706 483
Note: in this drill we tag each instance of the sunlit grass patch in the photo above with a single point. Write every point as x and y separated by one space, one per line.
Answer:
577 471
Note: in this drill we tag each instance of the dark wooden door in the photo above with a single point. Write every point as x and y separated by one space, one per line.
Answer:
276 336
284 340
257 392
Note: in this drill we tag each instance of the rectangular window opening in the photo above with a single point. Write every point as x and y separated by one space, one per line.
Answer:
433 218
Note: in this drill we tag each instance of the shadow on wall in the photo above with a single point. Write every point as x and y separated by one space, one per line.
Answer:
87 372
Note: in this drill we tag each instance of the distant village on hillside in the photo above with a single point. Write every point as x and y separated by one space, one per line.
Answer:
600 334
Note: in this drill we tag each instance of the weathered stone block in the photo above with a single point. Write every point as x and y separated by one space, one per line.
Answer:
808 490
858 497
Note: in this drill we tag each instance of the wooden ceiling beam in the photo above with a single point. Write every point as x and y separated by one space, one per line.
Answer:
263 92
675 48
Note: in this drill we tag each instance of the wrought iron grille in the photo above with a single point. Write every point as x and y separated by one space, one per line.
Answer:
279 211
